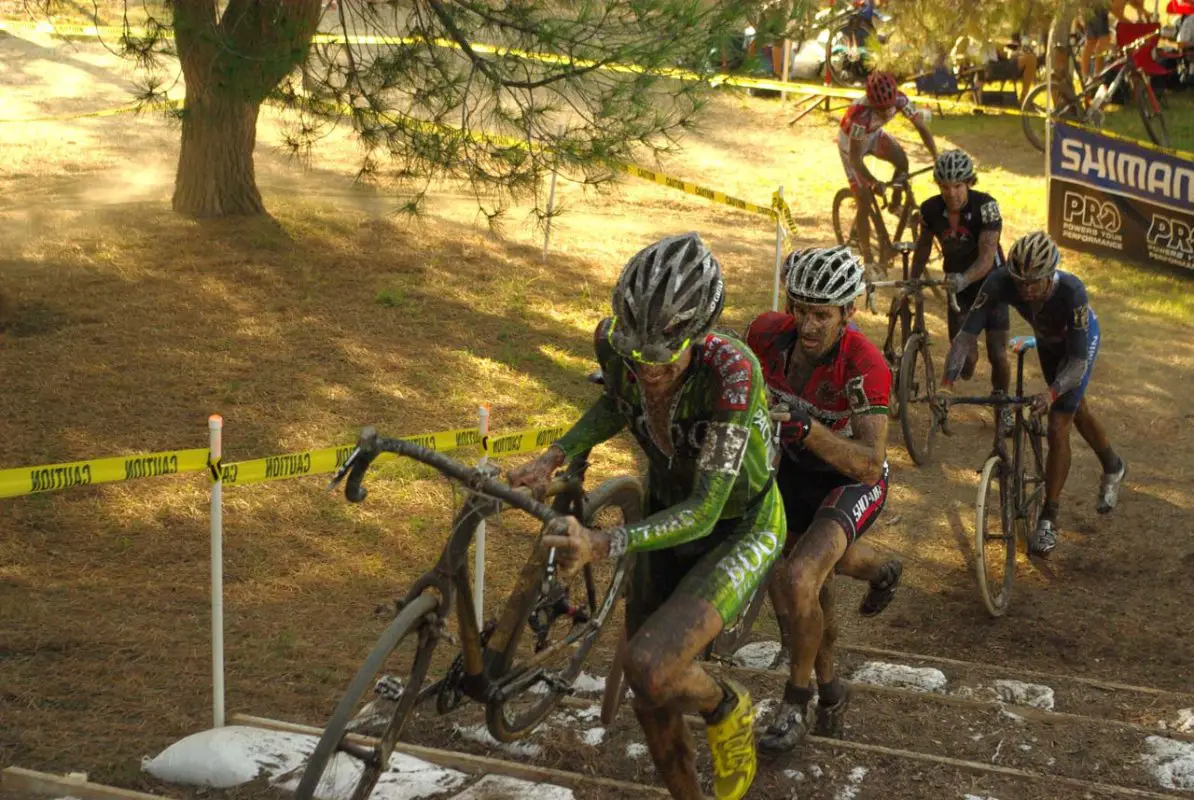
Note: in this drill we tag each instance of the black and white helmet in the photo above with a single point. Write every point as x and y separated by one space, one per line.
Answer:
824 276
667 295
954 166
1033 257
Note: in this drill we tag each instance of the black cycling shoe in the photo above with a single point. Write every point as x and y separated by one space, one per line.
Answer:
883 590
831 720
788 729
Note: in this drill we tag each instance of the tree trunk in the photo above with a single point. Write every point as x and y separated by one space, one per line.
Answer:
215 166
231 63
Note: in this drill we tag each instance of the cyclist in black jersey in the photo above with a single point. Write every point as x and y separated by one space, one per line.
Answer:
696 403
1067 342
966 224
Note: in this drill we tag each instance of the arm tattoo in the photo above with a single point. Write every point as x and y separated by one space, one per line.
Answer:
958 351
988 245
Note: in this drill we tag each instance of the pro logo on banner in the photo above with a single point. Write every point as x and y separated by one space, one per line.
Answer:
1115 197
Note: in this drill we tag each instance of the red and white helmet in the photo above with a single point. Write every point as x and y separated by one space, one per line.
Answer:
881 89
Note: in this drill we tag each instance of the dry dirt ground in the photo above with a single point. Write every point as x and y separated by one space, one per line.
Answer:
128 326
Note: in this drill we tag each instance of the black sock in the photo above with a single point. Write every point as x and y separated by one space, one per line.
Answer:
1051 510
797 695
728 702
785 625
830 694
1110 460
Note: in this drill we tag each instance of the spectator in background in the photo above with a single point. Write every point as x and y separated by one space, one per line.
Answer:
1009 61
1096 23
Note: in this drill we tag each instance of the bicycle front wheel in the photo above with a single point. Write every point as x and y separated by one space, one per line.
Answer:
995 537
562 619
915 393
1151 113
845 222
356 745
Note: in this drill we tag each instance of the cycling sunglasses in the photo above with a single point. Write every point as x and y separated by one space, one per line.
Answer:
654 355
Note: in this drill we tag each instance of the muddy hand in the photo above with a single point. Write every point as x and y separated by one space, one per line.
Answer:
536 475
574 549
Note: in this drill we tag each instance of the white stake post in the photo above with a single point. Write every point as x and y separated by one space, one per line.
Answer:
479 553
216 426
779 252
783 96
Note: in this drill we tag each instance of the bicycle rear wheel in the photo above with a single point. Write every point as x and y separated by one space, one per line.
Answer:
615 684
995 537
915 392
1151 113
1035 103
1032 477
344 754
563 616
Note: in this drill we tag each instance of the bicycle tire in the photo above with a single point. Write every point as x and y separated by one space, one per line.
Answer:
1035 102
846 233
996 594
615 684
1032 473
625 493
914 392
1153 118
410 620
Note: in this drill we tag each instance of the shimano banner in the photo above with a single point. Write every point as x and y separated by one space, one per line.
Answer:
1114 197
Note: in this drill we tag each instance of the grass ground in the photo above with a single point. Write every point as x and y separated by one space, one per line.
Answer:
129 326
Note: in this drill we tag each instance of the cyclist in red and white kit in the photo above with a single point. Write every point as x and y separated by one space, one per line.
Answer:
832 475
862 134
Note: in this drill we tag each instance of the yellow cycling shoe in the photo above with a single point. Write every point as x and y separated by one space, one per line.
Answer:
732 744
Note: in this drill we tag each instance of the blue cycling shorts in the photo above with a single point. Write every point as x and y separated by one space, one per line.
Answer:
1051 362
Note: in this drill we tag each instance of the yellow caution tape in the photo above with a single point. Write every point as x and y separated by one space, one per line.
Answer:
785 214
131 108
1129 140
522 442
53 477
695 189
330 459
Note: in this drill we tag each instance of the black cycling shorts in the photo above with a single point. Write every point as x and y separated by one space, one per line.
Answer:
830 495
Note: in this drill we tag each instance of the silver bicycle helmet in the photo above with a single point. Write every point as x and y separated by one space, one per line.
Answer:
667 295
829 276
954 166
1033 257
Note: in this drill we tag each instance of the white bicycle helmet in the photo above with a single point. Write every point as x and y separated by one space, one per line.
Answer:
954 166
668 295
824 276
1033 257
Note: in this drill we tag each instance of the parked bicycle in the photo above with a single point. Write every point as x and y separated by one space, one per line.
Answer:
883 244
1011 489
911 362
1087 106
518 667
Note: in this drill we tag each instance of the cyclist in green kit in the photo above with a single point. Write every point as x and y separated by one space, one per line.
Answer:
696 403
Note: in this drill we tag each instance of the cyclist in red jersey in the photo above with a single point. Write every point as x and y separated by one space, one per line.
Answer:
832 474
862 134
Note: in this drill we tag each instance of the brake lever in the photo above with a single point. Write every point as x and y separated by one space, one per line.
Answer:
345 468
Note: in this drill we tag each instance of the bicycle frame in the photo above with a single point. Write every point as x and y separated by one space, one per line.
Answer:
450 579
1023 425
910 209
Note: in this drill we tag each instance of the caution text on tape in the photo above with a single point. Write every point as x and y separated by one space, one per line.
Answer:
53 477
329 459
